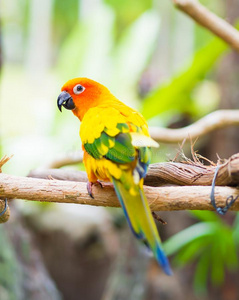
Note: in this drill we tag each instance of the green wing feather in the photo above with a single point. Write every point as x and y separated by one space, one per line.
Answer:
118 149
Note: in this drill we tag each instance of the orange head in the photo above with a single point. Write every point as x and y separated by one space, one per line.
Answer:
81 94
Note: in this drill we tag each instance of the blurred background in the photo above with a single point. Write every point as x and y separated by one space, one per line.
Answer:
155 59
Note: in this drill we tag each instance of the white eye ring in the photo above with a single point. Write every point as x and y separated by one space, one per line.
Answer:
78 89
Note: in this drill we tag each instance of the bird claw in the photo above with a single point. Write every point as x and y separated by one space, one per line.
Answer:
229 202
89 187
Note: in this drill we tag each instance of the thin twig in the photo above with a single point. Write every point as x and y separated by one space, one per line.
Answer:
180 150
4 160
158 218
209 20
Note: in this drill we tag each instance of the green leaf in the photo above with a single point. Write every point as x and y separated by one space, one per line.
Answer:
212 242
229 248
176 93
217 261
127 11
236 229
201 274
192 251
186 236
208 216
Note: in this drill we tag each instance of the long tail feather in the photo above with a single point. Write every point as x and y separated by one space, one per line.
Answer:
140 220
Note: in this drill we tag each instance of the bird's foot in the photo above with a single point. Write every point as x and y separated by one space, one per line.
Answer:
229 202
89 187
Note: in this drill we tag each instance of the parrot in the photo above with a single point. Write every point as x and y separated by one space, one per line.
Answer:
117 148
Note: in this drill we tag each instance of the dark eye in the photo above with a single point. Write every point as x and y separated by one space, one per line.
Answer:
78 89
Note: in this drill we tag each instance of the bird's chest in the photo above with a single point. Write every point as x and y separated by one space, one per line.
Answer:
98 168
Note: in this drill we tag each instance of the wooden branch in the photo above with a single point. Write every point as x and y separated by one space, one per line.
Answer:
213 121
193 173
209 20
160 198
59 174
65 160
184 173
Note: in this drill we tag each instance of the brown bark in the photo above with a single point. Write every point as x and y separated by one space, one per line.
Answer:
160 198
188 173
193 196
193 173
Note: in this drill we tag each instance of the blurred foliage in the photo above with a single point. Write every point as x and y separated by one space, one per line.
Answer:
65 17
10 275
177 94
127 11
211 244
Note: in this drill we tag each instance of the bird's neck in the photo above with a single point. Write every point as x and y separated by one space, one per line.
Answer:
86 104
79 113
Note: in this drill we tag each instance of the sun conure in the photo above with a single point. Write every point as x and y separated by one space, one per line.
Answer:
117 148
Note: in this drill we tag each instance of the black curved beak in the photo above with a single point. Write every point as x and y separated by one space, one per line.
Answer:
65 100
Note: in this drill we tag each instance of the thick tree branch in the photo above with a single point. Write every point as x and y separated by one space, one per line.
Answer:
213 121
193 173
209 20
179 173
59 174
160 198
